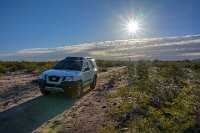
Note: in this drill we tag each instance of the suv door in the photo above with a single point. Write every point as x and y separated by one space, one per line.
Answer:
86 72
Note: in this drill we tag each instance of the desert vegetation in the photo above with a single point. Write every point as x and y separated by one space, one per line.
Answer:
38 67
159 97
6 66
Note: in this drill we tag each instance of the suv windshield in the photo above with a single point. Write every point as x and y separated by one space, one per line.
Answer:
69 64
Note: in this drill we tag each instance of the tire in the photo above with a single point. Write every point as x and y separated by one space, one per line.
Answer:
94 81
77 92
43 91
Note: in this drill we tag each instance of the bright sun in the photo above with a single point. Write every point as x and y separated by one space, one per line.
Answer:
132 27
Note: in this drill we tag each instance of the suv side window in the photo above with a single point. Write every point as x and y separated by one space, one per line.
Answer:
86 66
91 66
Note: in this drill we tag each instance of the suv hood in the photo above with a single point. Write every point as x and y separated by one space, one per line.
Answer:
61 72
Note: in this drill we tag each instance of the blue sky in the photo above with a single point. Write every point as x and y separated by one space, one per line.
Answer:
53 23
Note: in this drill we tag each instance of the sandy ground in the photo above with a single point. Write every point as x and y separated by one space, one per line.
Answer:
90 112
16 88
21 100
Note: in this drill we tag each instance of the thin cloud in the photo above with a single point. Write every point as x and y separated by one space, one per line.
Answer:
190 54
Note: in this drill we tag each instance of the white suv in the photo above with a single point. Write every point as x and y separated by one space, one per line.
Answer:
70 75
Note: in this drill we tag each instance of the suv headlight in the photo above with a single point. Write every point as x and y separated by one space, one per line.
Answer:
43 76
68 78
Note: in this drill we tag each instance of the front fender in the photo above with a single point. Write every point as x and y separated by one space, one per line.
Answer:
78 77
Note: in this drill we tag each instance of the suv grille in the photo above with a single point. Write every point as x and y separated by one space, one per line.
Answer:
54 78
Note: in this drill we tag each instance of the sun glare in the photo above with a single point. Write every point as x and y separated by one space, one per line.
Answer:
132 27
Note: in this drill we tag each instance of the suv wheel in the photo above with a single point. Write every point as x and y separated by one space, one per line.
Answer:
78 90
43 91
93 84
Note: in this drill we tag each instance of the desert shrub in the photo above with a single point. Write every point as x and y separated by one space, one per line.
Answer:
131 68
196 74
175 116
113 78
2 69
102 69
110 128
138 114
6 64
106 63
142 71
195 65
45 66
29 66
18 66
137 72
130 72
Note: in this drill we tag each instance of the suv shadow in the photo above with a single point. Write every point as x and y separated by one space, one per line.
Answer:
30 115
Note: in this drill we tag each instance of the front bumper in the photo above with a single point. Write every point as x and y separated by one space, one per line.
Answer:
64 85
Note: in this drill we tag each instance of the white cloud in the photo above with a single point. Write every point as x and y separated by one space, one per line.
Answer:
170 48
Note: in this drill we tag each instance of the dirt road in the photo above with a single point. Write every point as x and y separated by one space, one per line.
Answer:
16 88
90 113
23 107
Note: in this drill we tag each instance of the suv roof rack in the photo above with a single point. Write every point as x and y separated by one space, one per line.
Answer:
88 58
75 58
